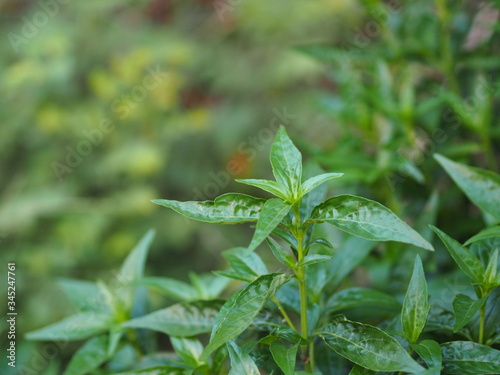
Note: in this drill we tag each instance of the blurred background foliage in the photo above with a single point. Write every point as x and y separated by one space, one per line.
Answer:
370 88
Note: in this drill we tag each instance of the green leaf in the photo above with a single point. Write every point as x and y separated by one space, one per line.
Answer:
208 286
491 232
330 274
182 319
485 250
133 266
240 310
467 262
83 294
470 358
314 258
315 181
367 219
430 352
271 215
286 161
241 362
430 371
358 370
75 327
229 208
175 289
281 253
321 242
158 370
246 266
416 303
492 324
465 308
267 185
115 335
360 297
439 319
290 335
315 196
491 276
188 348
89 357
285 357
481 186
286 236
219 359
367 346
288 295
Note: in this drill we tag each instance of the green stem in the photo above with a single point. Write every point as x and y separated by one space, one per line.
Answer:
301 278
481 323
284 313
311 355
135 343
301 275
490 155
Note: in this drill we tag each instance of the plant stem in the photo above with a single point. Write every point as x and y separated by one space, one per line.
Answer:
301 278
481 323
311 355
284 313
488 150
301 275
447 60
135 343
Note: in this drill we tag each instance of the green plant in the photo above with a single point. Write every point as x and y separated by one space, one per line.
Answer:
288 321
480 261
291 216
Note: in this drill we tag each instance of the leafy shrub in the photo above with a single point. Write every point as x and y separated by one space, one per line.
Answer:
288 321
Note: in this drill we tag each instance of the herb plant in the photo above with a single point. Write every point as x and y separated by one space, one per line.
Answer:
291 216
288 321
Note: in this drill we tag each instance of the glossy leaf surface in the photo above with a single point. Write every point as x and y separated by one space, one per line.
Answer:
465 308
182 319
416 303
430 352
284 356
75 327
240 310
286 161
367 346
241 362
367 219
470 358
467 261
360 297
267 185
272 213
229 208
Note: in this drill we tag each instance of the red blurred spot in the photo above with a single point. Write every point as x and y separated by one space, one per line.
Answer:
239 166
193 97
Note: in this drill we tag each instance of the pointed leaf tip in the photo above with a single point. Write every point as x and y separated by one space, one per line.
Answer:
286 161
481 186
